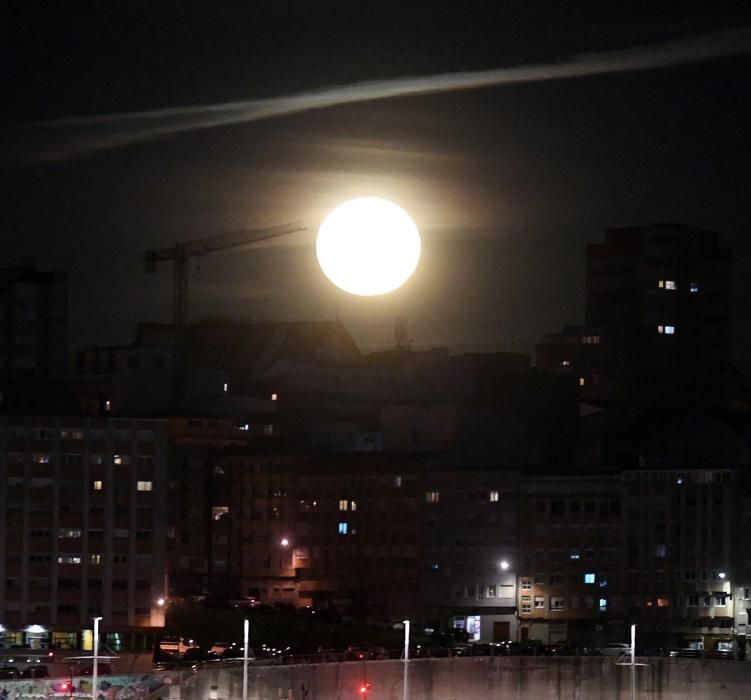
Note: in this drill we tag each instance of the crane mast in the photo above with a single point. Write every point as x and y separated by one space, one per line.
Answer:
180 252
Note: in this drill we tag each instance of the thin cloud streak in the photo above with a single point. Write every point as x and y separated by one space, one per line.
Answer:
119 130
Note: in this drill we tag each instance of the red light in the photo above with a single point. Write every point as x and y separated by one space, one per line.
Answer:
364 688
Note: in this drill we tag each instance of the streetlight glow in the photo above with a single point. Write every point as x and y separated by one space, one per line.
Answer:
504 565
284 542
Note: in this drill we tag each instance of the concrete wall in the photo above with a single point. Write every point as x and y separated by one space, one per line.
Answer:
506 678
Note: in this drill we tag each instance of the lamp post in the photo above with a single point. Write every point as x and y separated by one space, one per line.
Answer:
246 635
406 658
95 669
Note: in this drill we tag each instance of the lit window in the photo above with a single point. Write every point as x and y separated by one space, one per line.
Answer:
667 330
343 504
660 329
397 482
432 496
574 555
98 485
343 528
526 608
670 284
226 387
603 604
661 551
565 363
557 602
661 284
121 459
268 429
95 558
69 532
663 602
108 405
491 591
144 485
69 559
693 287
218 512
493 496
581 381
274 397
589 578
719 599
539 602
353 506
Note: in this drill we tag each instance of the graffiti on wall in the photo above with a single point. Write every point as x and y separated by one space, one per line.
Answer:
108 687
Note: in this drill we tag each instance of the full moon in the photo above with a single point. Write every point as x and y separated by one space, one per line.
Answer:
368 246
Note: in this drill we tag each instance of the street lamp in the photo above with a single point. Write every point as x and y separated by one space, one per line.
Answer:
504 565
284 542
94 671
246 651
406 658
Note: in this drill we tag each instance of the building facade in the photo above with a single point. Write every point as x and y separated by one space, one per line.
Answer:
83 530
658 304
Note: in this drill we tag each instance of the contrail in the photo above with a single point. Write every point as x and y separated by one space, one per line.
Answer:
88 135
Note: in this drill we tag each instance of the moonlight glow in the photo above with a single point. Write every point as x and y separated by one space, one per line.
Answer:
368 246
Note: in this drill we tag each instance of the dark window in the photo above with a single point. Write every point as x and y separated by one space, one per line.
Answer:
558 508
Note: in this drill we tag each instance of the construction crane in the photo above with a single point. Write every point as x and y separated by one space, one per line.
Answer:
180 252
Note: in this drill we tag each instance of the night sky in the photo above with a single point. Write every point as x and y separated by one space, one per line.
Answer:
507 184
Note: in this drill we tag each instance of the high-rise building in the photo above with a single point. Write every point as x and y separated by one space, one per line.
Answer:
33 324
657 317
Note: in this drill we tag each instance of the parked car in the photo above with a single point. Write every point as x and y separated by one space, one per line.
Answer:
561 649
243 602
688 652
531 647
9 672
614 649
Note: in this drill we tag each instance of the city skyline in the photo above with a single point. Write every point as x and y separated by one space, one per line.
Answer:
507 184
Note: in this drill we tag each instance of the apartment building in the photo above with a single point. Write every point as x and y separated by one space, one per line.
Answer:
571 543
470 559
338 532
33 324
657 319
682 563
82 527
